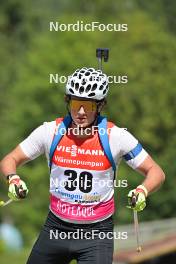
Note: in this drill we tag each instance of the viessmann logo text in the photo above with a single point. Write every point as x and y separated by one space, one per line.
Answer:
74 150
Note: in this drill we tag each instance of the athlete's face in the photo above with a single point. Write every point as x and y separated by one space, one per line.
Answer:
83 111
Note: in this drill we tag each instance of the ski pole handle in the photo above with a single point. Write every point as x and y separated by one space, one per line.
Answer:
21 193
133 200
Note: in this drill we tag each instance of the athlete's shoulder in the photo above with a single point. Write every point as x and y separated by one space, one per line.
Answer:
52 126
48 125
53 123
58 120
115 130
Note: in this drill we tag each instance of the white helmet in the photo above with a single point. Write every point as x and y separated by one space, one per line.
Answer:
88 83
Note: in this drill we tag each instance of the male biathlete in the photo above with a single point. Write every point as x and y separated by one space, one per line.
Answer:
82 171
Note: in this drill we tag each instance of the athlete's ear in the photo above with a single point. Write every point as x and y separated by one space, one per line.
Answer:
101 105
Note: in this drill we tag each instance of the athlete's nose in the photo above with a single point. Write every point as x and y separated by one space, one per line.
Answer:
81 111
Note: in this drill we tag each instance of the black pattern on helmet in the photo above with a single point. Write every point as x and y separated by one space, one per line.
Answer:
88 83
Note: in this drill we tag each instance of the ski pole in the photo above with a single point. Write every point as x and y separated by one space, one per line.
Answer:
136 224
22 195
3 203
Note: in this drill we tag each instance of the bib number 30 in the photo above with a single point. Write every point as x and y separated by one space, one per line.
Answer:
83 181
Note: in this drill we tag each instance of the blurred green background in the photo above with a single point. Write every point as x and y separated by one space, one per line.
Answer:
146 53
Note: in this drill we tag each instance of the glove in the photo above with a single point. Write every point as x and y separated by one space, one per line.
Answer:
137 198
17 188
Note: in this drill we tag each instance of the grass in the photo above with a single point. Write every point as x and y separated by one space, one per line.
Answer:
14 257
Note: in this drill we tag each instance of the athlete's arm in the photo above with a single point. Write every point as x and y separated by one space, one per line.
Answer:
154 175
12 160
137 158
34 145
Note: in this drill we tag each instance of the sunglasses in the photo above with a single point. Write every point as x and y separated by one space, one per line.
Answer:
89 106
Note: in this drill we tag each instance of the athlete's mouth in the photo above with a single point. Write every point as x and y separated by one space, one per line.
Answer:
81 119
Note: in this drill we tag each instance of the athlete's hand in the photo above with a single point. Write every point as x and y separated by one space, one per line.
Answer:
17 188
137 198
